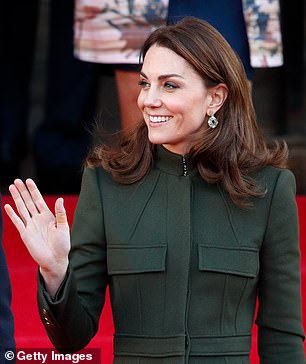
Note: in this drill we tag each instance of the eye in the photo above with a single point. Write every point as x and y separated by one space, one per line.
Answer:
143 84
170 85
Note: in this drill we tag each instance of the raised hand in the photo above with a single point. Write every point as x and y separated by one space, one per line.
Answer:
46 236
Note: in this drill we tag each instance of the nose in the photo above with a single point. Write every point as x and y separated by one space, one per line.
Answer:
151 98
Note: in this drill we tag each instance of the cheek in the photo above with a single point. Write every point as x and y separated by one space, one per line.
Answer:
140 101
198 114
203 107
197 108
177 106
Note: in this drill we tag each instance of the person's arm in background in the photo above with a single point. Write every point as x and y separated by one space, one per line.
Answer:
7 342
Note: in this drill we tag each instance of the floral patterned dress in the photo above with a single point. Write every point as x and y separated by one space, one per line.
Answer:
113 31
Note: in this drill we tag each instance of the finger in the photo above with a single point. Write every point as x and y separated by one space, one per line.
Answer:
19 224
27 198
60 212
36 195
19 203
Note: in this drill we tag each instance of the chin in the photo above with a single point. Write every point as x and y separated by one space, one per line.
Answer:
155 139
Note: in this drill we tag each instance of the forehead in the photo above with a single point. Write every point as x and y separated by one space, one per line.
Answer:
162 60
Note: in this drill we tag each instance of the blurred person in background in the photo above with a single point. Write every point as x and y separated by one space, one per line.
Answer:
59 142
7 341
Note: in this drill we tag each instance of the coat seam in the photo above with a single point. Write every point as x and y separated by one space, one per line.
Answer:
229 214
142 209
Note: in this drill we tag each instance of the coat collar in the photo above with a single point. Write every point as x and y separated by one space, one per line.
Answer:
172 163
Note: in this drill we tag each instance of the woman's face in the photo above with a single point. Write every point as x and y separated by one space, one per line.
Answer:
173 99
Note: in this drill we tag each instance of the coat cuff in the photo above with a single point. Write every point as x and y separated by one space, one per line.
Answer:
60 293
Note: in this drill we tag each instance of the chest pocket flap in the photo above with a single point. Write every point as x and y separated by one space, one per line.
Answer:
136 259
239 261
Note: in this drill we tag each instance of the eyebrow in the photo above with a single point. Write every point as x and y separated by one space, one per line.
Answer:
162 77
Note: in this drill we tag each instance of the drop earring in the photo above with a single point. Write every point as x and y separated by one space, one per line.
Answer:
212 121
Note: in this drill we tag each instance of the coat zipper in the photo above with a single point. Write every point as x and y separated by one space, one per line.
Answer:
185 167
187 337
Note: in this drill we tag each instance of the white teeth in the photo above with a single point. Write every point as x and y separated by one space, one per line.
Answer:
159 119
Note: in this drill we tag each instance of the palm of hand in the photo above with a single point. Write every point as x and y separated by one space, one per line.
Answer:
47 242
46 237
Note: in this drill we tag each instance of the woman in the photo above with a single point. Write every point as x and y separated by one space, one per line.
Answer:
189 220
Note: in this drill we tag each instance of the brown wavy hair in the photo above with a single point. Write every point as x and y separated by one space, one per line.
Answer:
228 154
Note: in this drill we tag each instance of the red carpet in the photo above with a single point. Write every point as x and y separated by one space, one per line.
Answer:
29 331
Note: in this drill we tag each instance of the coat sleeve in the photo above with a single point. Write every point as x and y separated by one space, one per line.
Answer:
280 331
71 318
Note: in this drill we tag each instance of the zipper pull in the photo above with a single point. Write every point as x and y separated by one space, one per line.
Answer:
185 168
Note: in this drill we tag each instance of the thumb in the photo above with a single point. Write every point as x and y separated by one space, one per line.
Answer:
60 212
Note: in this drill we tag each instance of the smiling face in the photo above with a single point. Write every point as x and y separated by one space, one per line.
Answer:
173 99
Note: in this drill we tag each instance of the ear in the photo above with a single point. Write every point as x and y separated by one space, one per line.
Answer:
218 95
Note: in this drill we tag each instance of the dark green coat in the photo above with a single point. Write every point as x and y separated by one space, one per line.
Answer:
184 266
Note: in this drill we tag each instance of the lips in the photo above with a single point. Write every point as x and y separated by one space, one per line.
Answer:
159 119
